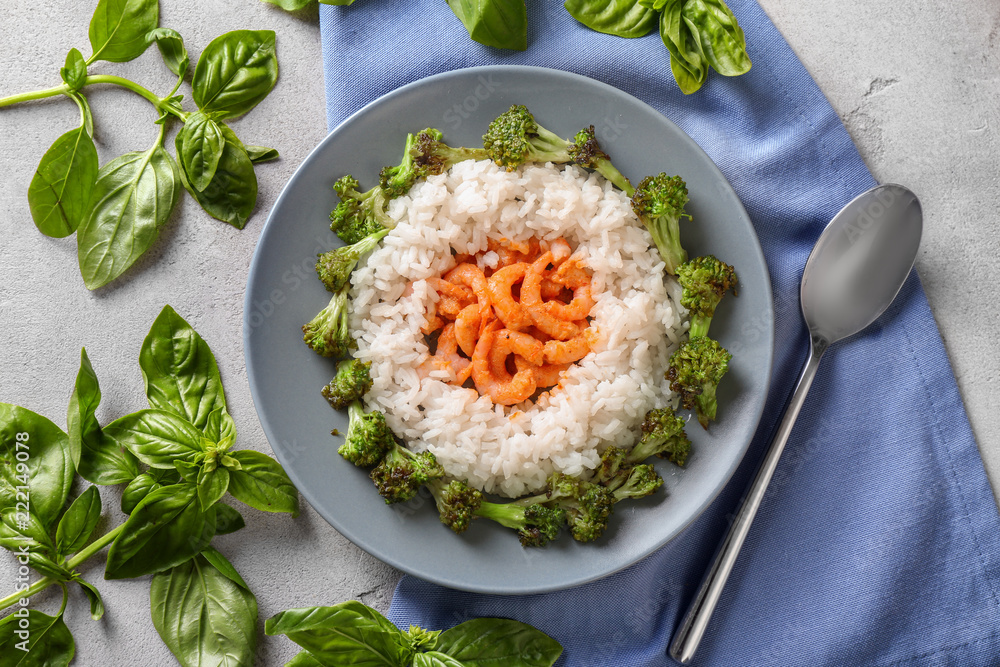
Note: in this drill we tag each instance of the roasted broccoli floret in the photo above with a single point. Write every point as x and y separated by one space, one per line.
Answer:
352 381
401 473
705 281
587 505
397 181
429 154
334 268
637 482
662 435
696 369
659 202
359 214
368 437
536 524
329 334
514 138
586 152
456 502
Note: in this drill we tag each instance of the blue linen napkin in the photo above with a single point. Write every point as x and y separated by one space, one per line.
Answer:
879 542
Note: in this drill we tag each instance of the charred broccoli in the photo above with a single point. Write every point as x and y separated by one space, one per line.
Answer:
659 202
402 472
359 214
586 152
329 334
432 156
639 482
536 524
334 268
662 435
352 381
456 502
368 437
397 181
696 369
705 281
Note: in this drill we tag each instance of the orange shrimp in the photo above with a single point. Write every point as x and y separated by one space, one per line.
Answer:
497 383
452 298
570 274
511 312
507 342
447 358
467 327
531 299
568 351
546 375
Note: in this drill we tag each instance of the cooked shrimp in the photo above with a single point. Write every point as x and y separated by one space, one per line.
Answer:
511 312
577 309
452 298
570 274
568 351
507 342
447 358
546 375
559 248
497 383
513 252
467 326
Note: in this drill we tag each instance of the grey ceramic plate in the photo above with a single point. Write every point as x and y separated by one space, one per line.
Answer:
286 376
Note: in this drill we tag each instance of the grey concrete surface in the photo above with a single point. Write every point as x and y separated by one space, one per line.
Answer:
916 85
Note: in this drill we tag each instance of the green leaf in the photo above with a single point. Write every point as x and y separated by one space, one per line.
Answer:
94 595
132 199
203 615
118 28
101 459
687 62
22 527
722 39
48 567
61 187
34 453
223 565
262 483
232 193
180 372
137 489
499 642
349 633
212 486
199 147
48 641
436 659
78 522
74 74
499 23
220 426
227 520
235 72
291 5
258 154
624 18
157 437
172 49
166 529
305 658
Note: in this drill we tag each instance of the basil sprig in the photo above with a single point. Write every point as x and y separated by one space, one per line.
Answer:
118 210
201 607
352 633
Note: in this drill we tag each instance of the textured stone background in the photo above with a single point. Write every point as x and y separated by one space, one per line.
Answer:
916 85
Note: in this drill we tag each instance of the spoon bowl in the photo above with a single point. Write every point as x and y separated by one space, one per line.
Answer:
853 273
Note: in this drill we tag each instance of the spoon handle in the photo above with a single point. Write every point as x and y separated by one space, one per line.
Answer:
692 628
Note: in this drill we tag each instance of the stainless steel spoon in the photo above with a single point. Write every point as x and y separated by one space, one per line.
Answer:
852 275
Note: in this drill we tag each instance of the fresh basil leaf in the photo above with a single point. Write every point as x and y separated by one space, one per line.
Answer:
118 28
22 527
102 460
157 437
304 659
137 489
78 522
222 564
88 116
61 187
132 199
49 641
227 519
235 72
436 659
262 483
258 154
172 49
74 74
687 63
203 615
199 147
624 18
291 5
35 454
94 595
722 39
180 372
499 23
48 567
212 486
232 193
349 633
220 426
187 470
166 529
499 642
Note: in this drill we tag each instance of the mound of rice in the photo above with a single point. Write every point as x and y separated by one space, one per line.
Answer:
600 402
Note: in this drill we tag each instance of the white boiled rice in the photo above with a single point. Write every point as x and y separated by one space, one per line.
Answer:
600 402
